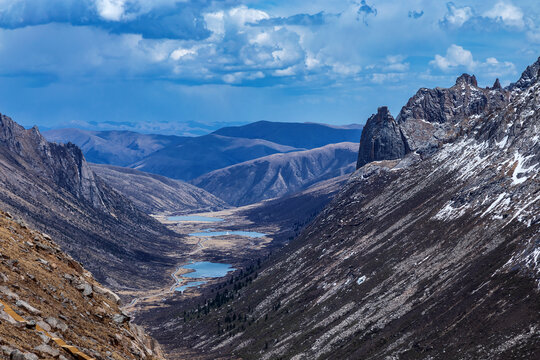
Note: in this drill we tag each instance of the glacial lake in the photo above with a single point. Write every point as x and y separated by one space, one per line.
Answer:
194 218
203 269
210 233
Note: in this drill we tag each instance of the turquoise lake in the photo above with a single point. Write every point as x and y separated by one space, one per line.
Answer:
203 269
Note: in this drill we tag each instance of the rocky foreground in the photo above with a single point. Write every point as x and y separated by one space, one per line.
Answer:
52 308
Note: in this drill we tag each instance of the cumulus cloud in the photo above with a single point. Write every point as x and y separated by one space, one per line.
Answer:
111 9
457 58
506 13
457 16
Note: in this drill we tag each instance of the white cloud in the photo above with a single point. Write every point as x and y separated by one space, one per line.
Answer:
181 52
112 10
379 78
506 13
456 56
457 16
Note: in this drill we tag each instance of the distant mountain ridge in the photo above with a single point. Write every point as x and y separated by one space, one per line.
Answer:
200 155
186 158
121 148
298 135
279 174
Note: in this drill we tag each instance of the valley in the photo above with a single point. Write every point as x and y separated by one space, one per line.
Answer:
244 180
220 243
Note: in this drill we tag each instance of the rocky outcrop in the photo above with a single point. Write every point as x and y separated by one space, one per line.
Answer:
431 118
63 304
381 139
529 77
63 164
432 256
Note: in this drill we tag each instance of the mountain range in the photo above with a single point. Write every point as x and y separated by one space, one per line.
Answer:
429 251
121 148
186 158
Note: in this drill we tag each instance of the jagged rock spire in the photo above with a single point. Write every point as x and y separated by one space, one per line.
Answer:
381 139
496 85
467 79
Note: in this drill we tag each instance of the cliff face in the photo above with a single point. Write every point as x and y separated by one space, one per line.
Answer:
63 164
56 302
52 187
434 255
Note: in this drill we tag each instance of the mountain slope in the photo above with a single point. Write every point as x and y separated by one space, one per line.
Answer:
120 148
157 194
431 256
279 174
50 290
312 135
52 187
203 154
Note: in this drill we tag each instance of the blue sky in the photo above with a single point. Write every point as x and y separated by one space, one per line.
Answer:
188 67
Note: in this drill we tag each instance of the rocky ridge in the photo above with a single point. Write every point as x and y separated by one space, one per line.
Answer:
57 301
52 188
430 118
155 194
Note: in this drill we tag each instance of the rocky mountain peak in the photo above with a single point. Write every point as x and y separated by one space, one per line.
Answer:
528 77
63 164
430 118
467 79
383 114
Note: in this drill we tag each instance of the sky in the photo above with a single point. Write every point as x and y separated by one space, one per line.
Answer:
189 67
